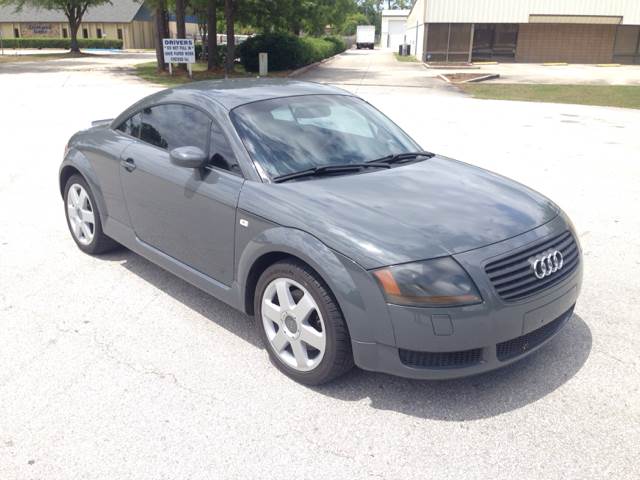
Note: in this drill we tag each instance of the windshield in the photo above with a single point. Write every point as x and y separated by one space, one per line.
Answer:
286 135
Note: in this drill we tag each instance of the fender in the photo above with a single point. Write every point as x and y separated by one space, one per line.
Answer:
342 275
75 159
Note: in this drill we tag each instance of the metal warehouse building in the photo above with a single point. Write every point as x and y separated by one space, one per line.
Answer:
573 31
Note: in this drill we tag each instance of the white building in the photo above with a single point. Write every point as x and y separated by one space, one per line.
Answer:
575 31
394 23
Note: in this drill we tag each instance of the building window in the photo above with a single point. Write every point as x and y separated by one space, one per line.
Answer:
627 46
448 42
65 33
495 41
85 33
99 33
16 33
119 34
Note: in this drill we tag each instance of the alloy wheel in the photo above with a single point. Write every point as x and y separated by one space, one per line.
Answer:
293 323
80 213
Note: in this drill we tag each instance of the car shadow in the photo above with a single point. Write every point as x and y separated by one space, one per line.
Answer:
471 398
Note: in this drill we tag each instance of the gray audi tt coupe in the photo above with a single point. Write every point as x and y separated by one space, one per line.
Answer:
303 205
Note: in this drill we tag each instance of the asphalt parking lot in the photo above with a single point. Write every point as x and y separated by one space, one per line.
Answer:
113 368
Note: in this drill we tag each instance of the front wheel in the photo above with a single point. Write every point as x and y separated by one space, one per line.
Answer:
83 217
301 324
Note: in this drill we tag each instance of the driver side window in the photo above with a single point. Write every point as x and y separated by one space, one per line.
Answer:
171 126
222 155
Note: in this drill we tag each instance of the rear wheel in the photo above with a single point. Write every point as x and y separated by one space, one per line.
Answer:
83 217
301 325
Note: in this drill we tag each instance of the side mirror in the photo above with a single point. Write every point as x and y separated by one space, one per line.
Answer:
188 157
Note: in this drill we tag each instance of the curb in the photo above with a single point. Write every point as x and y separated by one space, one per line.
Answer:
311 66
489 76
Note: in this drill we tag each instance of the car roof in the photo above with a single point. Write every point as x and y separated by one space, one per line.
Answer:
232 93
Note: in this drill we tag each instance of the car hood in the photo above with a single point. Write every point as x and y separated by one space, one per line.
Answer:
412 212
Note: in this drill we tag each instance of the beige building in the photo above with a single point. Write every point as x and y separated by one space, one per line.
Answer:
125 20
574 31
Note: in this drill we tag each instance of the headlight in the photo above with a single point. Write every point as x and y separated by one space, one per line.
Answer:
440 282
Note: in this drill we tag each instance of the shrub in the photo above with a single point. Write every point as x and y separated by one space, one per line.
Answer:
43 42
338 43
222 53
287 51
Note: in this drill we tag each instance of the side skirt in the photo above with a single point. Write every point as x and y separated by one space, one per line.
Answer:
127 237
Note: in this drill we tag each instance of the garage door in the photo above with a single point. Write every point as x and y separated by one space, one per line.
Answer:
396 34
565 43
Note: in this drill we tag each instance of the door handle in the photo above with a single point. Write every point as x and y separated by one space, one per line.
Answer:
128 164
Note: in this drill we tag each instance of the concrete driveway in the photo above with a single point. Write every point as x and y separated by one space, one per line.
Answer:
379 67
373 68
113 368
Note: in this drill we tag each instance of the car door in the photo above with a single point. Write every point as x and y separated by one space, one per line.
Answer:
188 214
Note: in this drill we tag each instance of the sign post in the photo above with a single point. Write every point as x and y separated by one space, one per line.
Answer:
179 50
263 62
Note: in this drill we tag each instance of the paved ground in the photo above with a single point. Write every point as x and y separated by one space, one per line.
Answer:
379 67
112 368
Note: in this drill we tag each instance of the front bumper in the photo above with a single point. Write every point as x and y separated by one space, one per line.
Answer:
433 343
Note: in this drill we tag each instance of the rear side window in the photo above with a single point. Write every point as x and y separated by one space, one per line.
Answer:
131 126
173 126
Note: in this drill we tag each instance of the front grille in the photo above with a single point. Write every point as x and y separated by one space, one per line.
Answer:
521 345
513 278
463 358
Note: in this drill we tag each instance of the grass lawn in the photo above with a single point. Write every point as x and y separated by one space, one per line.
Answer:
627 96
148 71
405 58
33 57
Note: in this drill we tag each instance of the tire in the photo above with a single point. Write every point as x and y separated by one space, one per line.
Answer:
330 359
89 237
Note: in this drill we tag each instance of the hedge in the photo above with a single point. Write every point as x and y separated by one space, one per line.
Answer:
222 53
43 42
287 51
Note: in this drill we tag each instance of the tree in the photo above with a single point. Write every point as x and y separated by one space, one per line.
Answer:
162 29
74 10
212 35
181 27
229 15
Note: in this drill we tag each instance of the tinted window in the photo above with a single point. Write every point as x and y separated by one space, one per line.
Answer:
131 126
173 126
286 135
222 155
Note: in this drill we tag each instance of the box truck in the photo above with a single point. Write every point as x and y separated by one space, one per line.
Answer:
365 36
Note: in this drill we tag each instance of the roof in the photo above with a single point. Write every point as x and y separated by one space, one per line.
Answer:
235 92
118 11
395 13
231 93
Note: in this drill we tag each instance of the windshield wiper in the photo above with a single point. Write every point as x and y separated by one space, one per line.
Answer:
311 172
402 157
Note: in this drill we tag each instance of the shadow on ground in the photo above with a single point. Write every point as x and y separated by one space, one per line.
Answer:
481 396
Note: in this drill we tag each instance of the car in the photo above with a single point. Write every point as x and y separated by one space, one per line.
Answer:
304 206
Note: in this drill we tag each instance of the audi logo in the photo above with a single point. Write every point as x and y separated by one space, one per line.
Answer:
547 263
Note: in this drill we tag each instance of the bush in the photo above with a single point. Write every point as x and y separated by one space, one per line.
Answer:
201 55
339 45
42 42
287 51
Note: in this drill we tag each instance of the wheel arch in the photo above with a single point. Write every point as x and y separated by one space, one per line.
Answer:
343 277
77 163
66 172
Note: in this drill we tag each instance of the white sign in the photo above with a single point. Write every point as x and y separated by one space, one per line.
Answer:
178 50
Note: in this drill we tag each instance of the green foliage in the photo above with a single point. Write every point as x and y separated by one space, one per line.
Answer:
287 51
43 42
222 53
352 21
339 44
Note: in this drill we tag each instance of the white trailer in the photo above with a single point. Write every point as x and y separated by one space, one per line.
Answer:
365 36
